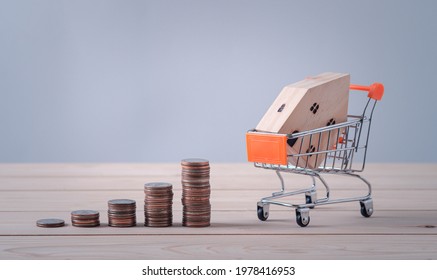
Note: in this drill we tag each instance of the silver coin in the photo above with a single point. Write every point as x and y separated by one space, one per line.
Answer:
49 223
158 185
121 202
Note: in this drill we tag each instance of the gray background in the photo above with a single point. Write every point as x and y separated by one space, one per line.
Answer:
157 81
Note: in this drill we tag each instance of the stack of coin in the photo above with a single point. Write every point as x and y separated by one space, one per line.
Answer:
196 192
121 213
85 218
158 204
50 223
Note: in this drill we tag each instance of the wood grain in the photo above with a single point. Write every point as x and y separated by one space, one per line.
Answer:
404 225
301 247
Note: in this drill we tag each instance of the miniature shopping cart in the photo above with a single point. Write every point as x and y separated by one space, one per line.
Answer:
347 157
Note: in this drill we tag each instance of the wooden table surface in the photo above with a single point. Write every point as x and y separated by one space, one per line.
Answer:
404 225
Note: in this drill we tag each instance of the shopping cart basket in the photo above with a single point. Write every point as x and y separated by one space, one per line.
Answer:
346 156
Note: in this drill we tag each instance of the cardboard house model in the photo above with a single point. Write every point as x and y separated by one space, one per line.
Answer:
315 102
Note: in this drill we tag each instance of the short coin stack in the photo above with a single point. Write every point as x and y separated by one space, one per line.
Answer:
50 223
158 204
121 213
85 218
196 192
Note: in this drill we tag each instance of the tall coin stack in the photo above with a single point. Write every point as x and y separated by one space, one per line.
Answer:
121 213
196 192
158 204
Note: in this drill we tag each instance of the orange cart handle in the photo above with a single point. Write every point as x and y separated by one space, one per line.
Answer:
376 90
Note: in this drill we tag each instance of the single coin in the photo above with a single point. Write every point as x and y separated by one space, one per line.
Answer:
194 161
195 170
85 221
121 202
82 223
85 214
87 225
158 224
158 193
158 198
122 225
195 224
122 207
50 223
158 185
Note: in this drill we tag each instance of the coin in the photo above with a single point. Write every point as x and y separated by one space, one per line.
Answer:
122 213
85 218
50 223
196 191
196 224
84 214
84 223
158 185
158 203
194 162
121 202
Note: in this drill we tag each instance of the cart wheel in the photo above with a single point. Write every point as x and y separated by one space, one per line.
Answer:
263 212
302 216
366 207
